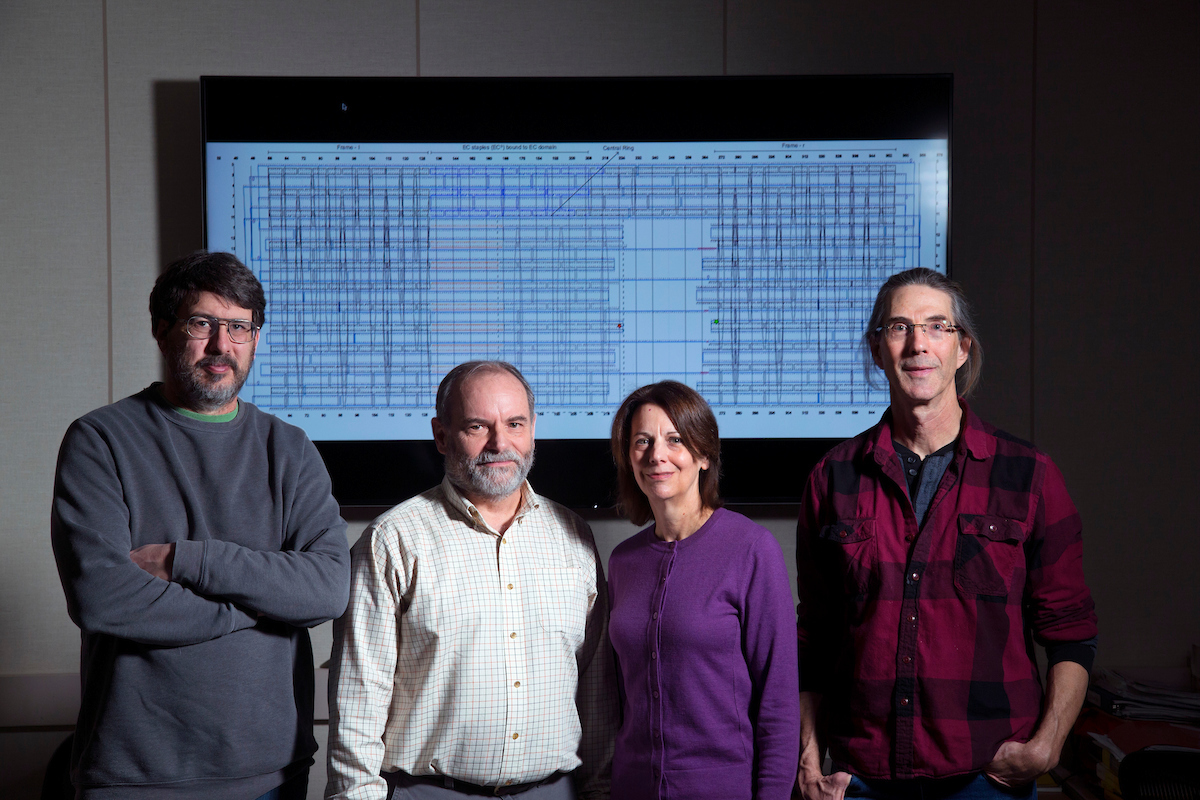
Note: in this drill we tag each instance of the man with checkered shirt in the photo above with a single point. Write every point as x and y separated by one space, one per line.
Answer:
474 658
932 551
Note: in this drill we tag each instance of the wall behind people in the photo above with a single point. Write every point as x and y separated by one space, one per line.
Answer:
1073 205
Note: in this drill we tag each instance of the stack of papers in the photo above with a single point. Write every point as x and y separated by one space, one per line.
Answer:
1114 693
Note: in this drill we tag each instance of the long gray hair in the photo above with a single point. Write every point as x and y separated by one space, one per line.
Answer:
967 377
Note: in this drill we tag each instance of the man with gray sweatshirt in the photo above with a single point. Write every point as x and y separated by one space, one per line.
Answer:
197 540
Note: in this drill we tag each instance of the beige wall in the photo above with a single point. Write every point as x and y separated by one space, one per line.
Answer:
1074 202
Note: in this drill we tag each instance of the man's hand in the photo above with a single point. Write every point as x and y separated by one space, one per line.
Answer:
1018 763
157 559
814 785
823 787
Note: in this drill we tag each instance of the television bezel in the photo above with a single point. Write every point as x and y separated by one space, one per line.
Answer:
578 473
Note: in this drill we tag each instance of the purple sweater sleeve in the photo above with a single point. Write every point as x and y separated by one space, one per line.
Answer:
770 647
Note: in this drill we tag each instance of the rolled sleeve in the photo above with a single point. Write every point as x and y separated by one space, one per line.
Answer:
1059 605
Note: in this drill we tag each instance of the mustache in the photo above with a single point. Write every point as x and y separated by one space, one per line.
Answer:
489 458
213 361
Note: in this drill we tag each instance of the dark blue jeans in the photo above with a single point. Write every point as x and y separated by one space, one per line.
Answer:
965 787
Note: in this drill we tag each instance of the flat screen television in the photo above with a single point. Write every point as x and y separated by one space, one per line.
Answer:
598 233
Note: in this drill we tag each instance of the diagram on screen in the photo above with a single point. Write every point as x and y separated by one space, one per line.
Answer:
744 269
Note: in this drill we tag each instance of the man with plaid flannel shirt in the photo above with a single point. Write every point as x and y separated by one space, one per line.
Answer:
932 551
474 659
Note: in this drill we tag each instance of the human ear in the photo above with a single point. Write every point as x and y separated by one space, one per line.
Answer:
160 335
874 344
439 435
964 350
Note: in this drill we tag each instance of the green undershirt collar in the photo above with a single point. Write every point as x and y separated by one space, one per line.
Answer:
207 417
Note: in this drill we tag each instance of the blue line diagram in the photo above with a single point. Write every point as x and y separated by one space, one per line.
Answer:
746 272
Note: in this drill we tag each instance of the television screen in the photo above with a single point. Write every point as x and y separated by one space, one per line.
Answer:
600 234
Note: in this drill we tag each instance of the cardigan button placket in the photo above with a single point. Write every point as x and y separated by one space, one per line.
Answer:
655 632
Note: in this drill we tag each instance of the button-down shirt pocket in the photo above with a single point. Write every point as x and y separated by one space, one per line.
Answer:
989 557
561 603
852 546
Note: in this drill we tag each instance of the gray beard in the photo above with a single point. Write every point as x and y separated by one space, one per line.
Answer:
471 478
197 390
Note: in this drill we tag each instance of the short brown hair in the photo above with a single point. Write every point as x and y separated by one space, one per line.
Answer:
697 427
967 377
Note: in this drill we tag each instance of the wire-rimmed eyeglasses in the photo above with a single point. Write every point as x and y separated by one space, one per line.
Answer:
935 331
239 331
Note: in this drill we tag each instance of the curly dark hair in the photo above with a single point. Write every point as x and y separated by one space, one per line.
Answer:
220 273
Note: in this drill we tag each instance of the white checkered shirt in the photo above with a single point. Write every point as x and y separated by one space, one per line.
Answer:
468 653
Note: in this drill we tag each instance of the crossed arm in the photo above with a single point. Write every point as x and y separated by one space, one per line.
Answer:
142 594
155 559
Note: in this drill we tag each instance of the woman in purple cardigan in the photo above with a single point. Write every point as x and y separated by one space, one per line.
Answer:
702 619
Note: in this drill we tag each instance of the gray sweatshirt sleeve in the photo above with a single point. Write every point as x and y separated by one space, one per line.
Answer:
105 591
305 583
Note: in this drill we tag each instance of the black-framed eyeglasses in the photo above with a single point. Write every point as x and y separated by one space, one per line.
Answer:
239 331
935 331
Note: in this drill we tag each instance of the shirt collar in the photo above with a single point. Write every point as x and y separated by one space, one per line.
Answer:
974 439
529 503
979 443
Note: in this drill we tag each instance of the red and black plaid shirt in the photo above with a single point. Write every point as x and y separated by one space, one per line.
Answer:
920 639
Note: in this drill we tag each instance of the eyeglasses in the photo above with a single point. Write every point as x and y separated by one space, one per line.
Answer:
934 331
239 331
